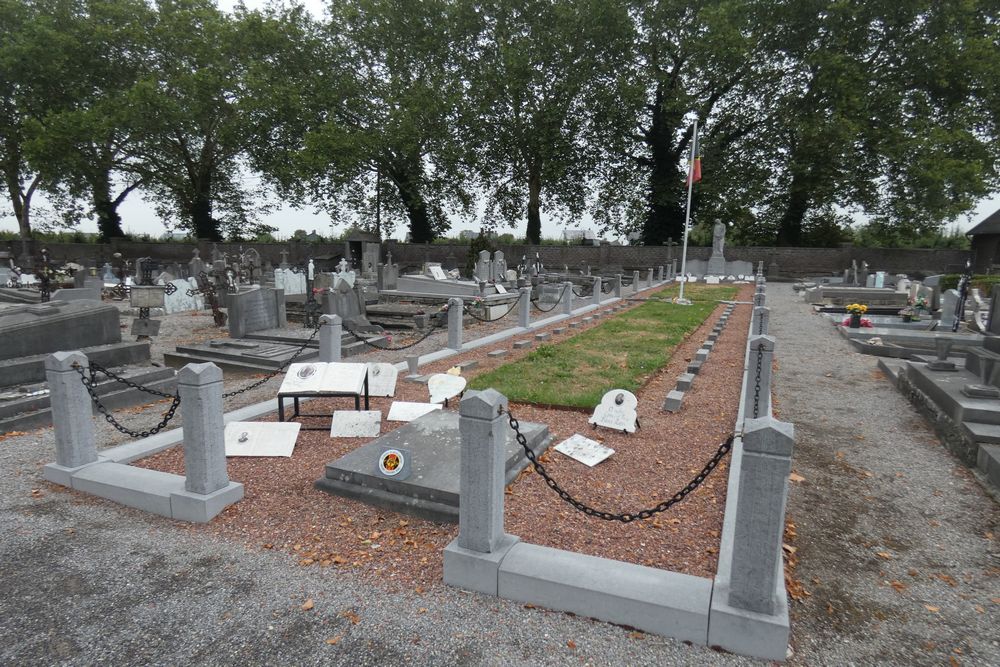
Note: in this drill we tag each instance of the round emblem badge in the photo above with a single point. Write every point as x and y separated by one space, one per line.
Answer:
391 462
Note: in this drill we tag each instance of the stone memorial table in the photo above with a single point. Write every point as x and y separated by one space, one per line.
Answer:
321 380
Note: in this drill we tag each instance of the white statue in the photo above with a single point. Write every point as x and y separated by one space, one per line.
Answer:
718 237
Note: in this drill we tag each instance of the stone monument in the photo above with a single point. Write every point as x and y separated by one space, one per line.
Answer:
717 261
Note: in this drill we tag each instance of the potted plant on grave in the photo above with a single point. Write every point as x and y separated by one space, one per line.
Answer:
856 310
909 313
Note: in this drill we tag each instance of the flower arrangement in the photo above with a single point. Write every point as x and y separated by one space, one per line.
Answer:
919 303
865 322
857 308
910 312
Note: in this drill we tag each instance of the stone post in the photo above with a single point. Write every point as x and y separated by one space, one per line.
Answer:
413 363
649 278
659 274
71 410
759 298
524 307
455 324
483 461
760 514
330 335
761 320
618 285
673 269
635 282
567 298
597 291
758 389
200 389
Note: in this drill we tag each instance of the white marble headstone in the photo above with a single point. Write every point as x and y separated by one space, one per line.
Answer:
356 423
437 272
500 289
381 379
712 280
406 411
261 438
617 410
586 451
443 386
179 301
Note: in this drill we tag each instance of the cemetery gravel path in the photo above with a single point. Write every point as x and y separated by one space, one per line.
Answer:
895 540
895 545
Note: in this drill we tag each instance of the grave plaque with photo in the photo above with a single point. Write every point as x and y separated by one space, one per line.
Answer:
261 438
443 386
617 411
381 379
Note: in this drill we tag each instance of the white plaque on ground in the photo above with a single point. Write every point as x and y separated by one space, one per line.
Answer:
500 289
381 379
261 438
437 273
443 386
405 411
356 424
586 451
617 410
711 280
324 378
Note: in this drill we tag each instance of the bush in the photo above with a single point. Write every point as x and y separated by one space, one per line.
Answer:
981 282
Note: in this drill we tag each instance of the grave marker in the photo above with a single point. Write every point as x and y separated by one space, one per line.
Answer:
617 410
586 451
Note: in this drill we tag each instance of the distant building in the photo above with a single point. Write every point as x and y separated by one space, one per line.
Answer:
580 237
468 235
986 243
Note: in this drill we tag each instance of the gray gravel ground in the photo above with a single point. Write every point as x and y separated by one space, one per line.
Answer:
88 582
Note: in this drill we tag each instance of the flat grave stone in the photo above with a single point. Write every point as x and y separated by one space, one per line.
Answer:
261 438
674 400
543 336
496 353
558 330
322 377
141 327
468 365
617 410
574 325
521 344
583 449
694 367
684 381
407 411
443 386
588 319
433 443
701 355
382 379
356 424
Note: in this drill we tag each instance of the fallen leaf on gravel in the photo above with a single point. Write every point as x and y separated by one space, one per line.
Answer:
571 644
508 490
838 455
898 585
350 616
422 610
932 608
418 590
339 560
946 579
929 646
953 661
307 605
995 600
884 555
829 608
36 493
268 545
789 549
529 606
635 634
980 609
867 473
795 477
912 572
333 640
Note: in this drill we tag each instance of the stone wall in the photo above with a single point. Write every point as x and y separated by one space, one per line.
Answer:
788 262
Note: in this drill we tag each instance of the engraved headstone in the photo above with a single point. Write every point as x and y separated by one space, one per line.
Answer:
443 386
381 379
356 423
586 451
617 410
261 438
146 296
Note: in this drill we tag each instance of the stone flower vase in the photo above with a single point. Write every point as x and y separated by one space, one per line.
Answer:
855 322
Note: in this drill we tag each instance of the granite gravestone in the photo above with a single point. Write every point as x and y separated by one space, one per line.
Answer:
28 330
255 310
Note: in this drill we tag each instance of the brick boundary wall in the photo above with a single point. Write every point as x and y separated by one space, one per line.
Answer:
778 262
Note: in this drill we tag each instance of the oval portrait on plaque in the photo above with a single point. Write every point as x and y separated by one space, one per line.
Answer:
391 462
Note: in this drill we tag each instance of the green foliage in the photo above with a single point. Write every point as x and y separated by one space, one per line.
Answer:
882 235
484 241
624 352
984 283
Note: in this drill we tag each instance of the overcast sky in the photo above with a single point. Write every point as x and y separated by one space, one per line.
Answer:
139 217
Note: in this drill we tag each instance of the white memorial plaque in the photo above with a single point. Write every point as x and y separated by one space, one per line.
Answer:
617 410
500 289
711 280
381 379
318 377
356 424
443 386
586 451
261 438
405 411
437 272
146 296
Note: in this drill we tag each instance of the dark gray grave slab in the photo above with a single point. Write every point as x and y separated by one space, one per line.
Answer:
432 489
263 358
28 330
255 310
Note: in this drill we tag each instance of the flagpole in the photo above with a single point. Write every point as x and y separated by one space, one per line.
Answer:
687 218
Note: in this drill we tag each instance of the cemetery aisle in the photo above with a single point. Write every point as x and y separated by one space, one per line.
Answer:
895 541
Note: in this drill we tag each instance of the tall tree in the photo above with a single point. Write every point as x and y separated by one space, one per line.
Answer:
83 146
547 88
190 145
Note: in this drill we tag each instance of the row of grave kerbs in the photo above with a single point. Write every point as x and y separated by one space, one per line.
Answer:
203 491
675 397
742 610
749 612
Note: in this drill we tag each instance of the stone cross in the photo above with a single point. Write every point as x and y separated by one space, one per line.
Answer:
284 259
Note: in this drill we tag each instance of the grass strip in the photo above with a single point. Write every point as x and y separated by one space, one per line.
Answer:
621 353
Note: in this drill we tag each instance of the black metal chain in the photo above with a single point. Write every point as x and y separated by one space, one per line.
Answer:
756 389
89 382
624 517
435 324
471 313
279 369
579 294
606 287
760 324
534 302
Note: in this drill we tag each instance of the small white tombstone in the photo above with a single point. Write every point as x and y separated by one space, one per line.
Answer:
500 289
617 410
381 379
437 272
406 411
443 386
586 451
356 423
712 280
261 438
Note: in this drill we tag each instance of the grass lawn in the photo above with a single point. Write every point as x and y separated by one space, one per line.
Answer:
621 353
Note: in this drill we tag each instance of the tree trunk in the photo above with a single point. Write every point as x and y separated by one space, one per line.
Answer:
790 225
109 223
534 231
421 230
665 217
205 226
20 201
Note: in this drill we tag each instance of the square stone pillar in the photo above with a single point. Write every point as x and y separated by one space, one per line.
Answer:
331 334
72 416
758 389
200 389
567 298
761 320
618 285
597 290
455 313
524 307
